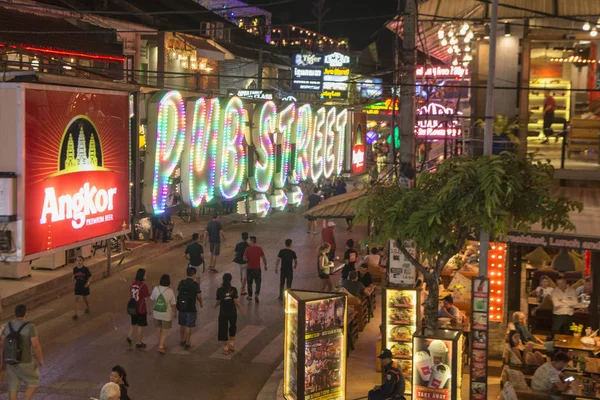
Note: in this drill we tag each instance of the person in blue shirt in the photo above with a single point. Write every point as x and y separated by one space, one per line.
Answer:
448 310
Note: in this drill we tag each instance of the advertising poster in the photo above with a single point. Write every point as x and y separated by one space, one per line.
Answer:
401 271
291 348
307 73
324 349
77 167
335 76
359 125
432 371
479 337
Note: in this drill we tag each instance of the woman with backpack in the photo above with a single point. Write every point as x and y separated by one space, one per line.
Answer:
136 308
163 310
227 300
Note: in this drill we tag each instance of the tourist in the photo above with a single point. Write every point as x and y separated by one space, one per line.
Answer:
586 288
194 252
289 262
313 200
324 266
394 383
140 292
82 278
227 301
522 354
564 299
544 289
340 186
354 287
110 391
162 312
328 236
548 378
548 112
448 310
188 293
350 257
214 233
520 322
373 259
253 255
240 249
22 359
119 376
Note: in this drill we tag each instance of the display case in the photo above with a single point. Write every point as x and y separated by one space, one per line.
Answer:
401 312
315 345
437 361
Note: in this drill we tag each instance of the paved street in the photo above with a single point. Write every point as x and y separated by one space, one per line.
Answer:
79 354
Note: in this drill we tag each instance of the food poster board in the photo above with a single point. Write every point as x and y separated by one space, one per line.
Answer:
400 323
479 338
325 350
432 374
290 354
400 270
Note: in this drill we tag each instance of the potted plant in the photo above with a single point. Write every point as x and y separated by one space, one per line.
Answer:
576 329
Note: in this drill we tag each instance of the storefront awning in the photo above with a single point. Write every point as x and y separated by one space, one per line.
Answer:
340 206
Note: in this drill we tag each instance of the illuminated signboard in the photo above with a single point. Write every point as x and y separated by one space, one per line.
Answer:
307 73
370 88
209 138
77 167
382 107
253 94
435 120
441 72
335 76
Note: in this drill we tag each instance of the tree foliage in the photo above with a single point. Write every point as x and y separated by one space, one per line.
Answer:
499 193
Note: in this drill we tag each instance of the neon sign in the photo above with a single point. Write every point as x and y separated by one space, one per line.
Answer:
210 142
382 107
435 120
441 72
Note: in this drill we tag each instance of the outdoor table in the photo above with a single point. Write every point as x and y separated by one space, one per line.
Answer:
572 343
575 390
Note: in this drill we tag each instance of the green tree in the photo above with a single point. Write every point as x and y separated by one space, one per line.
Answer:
497 193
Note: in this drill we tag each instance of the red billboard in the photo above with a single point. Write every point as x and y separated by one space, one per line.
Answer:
76 167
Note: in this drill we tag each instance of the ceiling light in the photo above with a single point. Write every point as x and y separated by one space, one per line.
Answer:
444 42
441 34
450 33
455 62
586 26
507 29
593 32
467 48
450 50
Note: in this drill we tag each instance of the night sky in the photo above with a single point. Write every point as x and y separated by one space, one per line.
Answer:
358 31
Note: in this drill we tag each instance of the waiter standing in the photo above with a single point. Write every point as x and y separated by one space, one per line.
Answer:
393 386
549 108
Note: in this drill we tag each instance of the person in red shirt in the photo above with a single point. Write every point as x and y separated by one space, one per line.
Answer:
252 257
328 236
140 292
549 108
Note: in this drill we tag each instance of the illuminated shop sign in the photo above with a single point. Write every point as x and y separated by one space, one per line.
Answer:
370 88
441 72
335 76
435 120
210 138
382 107
307 73
77 167
252 94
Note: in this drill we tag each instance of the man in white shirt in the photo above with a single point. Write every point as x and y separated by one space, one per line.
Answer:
564 299
548 378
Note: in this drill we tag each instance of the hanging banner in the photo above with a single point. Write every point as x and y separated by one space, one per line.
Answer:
76 167
479 337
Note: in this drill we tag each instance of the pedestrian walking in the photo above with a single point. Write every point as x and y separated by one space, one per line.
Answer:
227 301
21 354
110 391
139 292
240 248
313 200
324 266
252 256
328 236
188 293
162 312
119 376
215 235
82 278
194 252
289 262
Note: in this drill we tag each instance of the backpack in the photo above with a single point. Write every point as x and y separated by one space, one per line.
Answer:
13 345
160 305
185 298
132 307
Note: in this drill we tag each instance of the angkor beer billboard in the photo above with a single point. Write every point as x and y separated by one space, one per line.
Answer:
76 167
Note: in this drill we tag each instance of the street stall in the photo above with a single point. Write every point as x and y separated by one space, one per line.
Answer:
315 345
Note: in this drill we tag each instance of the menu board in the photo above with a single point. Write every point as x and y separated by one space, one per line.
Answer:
479 339
400 270
432 374
324 349
400 324
291 349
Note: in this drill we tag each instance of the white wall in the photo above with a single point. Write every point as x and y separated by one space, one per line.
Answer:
507 70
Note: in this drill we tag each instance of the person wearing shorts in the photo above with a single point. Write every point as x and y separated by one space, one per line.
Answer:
240 248
214 234
82 278
188 292
162 312
140 292
194 253
27 371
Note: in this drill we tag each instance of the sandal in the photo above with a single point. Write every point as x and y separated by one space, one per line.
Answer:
162 349
226 352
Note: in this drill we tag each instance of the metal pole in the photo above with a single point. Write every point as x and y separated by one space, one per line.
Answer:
260 69
108 256
407 90
488 135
